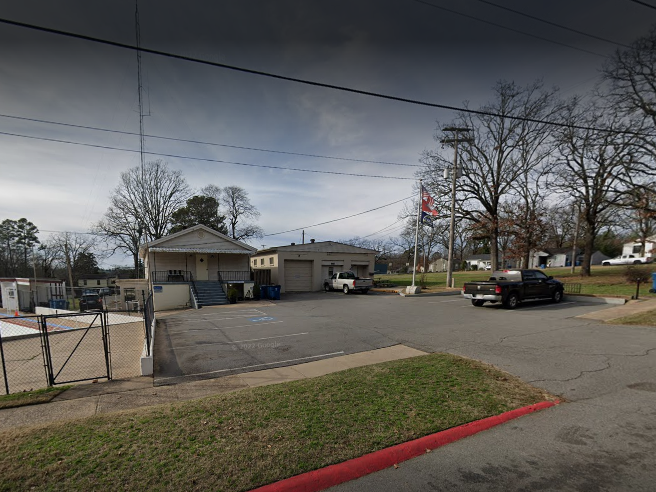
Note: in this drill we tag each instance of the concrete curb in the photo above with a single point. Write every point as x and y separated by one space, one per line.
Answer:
594 299
358 467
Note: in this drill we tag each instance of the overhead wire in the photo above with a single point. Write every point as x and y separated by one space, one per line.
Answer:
644 3
485 21
311 82
122 132
341 218
205 159
560 26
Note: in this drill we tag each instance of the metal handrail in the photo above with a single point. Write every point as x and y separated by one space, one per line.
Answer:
234 275
171 276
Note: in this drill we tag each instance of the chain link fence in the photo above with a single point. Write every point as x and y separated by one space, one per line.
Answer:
41 350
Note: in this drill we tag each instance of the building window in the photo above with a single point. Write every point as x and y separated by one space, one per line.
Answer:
97 282
637 248
84 282
254 262
271 261
262 261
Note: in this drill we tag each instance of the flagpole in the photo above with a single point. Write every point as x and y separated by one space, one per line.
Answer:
414 269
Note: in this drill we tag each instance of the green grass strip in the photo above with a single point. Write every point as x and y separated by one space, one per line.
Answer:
238 441
31 397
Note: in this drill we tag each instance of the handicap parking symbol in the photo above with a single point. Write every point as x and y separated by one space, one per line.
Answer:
264 318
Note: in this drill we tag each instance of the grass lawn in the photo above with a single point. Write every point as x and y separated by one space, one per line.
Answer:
647 318
238 441
30 397
604 280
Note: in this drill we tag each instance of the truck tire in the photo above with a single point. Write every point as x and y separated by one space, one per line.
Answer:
327 287
477 302
511 301
637 262
345 289
557 296
605 263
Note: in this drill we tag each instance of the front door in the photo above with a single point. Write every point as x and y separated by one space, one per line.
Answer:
201 267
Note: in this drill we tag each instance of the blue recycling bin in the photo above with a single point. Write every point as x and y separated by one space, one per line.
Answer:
653 282
264 291
274 292
58 304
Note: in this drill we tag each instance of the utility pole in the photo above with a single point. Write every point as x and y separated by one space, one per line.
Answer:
458 134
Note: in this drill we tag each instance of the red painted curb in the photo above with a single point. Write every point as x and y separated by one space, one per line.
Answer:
378 460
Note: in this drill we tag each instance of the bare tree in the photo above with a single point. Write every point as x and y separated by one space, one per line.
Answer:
509 140
141 207
71 249
595 158
631 83
239 210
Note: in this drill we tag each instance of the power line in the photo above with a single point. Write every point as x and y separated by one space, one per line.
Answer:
508 28
644 3
599 38
336 220
310 82
71 125
205 159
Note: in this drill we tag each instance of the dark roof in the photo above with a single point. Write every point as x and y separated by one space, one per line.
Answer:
482 256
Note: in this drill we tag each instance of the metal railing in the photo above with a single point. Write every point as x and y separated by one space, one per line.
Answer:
234 276
171 276
572 288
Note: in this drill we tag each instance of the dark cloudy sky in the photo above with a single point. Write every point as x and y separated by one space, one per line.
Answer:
403 48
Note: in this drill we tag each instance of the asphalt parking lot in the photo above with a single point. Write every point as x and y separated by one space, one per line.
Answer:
218 341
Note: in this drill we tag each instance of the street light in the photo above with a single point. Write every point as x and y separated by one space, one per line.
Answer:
457 136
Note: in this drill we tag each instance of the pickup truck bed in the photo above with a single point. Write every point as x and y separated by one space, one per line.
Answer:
510 287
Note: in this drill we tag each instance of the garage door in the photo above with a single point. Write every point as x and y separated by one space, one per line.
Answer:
298 276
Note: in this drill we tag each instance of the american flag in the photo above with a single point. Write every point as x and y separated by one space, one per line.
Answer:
428 207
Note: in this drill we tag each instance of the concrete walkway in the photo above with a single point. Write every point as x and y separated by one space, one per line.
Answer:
628 309
87 400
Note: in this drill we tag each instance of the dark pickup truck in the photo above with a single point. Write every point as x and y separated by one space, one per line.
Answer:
510 287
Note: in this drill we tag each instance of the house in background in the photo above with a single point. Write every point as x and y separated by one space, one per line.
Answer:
481 261
302 267
196 267
635 247
561 257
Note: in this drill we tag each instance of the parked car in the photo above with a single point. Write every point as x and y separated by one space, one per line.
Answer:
627 260
510 287
90 301
346 282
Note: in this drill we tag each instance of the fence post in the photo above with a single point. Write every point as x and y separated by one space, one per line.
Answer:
4 368
104 327
45 350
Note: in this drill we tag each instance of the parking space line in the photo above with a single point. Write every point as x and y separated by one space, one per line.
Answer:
253 366
450 300
242 341
250 325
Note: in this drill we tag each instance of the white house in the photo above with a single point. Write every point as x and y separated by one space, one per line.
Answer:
635 247
196 267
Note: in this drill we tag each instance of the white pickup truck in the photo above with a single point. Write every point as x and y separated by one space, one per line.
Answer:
346 282
627 260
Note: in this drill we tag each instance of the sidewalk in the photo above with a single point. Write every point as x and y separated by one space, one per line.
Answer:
87 400
628 309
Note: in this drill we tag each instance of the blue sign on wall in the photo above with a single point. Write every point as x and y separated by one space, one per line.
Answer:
157 288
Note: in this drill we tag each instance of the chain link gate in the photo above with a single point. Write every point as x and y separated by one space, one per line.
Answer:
79 353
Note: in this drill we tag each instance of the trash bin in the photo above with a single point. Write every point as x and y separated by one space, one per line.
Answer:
653 282
58 304
274 292
264 291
